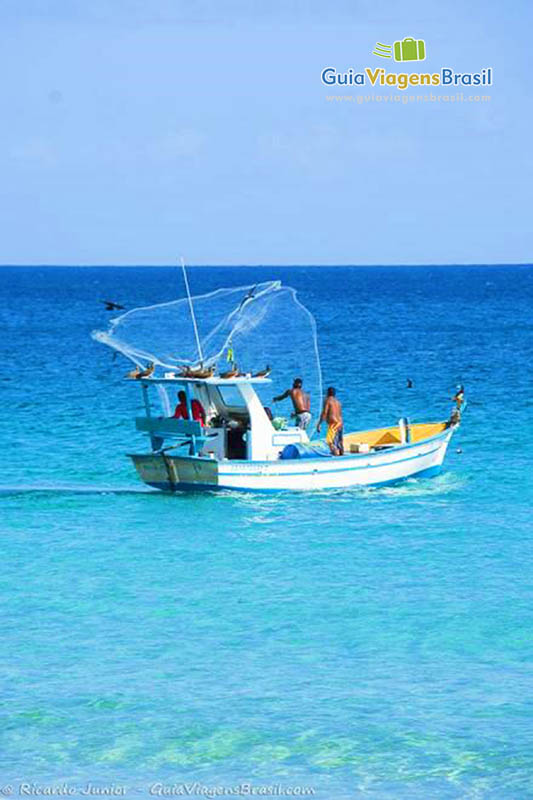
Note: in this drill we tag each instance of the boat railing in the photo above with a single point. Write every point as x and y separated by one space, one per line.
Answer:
161 428
169 426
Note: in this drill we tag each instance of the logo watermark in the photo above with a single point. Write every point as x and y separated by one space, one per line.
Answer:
405 50
403 80
156 789
405 99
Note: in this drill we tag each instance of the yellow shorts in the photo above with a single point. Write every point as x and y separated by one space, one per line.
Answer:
334 435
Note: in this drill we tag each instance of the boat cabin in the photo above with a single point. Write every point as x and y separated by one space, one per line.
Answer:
238 426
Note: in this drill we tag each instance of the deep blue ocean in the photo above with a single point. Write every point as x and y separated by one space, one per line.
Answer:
365 644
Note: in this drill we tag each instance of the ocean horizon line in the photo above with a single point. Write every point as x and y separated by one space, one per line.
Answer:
268 266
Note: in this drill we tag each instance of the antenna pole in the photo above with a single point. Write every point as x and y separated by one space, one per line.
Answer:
191 307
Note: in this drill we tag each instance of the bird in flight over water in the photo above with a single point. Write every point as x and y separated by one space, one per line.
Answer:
111 306
249 296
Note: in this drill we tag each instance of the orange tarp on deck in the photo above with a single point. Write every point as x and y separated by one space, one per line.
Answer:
419 431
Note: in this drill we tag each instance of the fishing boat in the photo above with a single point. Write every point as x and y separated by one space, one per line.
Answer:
237 443
242 449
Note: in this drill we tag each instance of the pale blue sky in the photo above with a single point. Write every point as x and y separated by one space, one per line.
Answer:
135 131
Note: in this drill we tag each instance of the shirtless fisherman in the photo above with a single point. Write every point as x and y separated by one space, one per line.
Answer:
300 402
332 413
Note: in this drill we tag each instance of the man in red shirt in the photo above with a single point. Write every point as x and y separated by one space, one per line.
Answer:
197 409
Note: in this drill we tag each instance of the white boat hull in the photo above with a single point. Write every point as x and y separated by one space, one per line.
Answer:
377 468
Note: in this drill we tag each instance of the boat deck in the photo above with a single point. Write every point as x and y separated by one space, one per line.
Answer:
391 436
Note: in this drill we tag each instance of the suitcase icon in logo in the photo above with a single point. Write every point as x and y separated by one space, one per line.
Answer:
410 50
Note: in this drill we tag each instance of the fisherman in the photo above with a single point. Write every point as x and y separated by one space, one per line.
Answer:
181 411
300 401
332 414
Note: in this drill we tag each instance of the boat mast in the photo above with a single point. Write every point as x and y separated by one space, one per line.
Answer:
191 307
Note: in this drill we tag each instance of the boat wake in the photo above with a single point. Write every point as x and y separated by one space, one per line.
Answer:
47 489
413 487
445 483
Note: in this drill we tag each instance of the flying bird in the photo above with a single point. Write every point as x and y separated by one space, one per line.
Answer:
111 306
248 297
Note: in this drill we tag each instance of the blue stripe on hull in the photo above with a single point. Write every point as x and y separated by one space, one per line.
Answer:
431 472
336 471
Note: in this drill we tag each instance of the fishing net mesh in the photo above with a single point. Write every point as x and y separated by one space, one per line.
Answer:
254 327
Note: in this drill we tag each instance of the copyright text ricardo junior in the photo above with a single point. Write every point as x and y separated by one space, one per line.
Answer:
156 789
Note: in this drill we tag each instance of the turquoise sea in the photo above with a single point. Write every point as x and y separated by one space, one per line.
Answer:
362 644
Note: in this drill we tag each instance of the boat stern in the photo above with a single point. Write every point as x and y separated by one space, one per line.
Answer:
172 473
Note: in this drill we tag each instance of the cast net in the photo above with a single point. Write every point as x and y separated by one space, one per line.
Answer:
254 327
